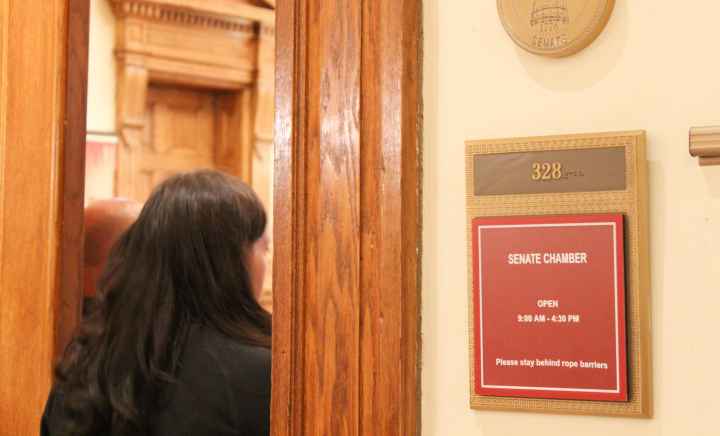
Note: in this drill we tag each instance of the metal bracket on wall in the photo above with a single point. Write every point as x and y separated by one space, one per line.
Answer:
705 144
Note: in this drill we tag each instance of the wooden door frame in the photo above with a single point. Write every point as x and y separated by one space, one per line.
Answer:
372 280
43 85
70 286
371 386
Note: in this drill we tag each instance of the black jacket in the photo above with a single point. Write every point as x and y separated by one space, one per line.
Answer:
223 389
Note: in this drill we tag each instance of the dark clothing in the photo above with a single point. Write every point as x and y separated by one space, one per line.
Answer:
223 389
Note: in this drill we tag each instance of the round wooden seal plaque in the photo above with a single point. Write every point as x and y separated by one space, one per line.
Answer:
554 27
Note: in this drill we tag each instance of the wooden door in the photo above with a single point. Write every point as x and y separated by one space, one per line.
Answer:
345 335
43 82
179 136
183 129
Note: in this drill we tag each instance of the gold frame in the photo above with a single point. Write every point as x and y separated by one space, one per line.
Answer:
633 203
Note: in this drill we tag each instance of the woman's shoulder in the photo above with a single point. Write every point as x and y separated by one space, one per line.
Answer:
211 341
221 386
211 352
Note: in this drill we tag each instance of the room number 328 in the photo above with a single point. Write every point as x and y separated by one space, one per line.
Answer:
546 171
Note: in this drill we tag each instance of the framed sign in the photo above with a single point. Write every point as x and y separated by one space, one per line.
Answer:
549 304
558 274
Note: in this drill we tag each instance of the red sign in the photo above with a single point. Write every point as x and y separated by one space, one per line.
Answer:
549 302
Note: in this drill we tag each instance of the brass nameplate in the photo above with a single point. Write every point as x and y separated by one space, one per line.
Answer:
557 171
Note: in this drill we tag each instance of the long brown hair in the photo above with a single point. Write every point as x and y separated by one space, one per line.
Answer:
181 263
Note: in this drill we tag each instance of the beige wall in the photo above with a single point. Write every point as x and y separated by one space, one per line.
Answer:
653 68
101 68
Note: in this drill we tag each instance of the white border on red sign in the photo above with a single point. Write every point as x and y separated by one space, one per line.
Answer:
480 302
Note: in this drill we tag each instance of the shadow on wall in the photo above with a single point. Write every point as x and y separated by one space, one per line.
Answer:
711 175
431 140
658 226
595 61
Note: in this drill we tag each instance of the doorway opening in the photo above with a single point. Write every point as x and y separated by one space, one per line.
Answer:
173 88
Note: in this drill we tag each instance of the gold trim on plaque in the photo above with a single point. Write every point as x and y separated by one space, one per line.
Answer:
632 203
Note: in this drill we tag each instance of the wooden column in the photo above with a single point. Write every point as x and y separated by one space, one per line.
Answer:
132 86
43 74
346 218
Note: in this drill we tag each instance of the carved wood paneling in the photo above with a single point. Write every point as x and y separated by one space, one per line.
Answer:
132 84
235 118
184 46
183 43
178 135
255 10
345 344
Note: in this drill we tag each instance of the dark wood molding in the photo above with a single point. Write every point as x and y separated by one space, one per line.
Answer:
347 217
70 281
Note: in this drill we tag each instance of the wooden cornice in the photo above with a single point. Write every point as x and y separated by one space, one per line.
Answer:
224 14
211 44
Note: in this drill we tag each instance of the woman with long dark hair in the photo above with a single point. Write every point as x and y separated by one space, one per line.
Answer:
177 344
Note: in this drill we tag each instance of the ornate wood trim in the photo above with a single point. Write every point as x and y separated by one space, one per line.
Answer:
132 84
217 12
169 13
186 46
221 46
347 240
